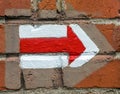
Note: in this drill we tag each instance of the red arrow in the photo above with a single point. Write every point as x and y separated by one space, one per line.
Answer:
70 44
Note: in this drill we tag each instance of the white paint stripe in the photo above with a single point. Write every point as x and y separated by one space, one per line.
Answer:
91 48
43 61
29 31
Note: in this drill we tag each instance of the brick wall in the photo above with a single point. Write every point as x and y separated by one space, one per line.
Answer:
33 53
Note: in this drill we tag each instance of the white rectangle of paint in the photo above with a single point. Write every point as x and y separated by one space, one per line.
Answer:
40 31
43 61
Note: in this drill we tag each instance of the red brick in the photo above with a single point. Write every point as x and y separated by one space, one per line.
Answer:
73 77
2 74
47 9
98 38
18 8
2 39
47 5
108 76
116 38
112 34
95 8
2 7
18 4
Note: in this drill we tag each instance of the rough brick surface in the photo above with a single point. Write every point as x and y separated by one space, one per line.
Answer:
47 14
47 5
95 8
2 74
107 76
35 78
47 9
2 39
18 12
2 7
74 76
18 8
13 73
111 32
18 4
98 38
12 38
116 38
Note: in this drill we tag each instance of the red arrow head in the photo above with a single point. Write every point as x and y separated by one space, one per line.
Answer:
75 47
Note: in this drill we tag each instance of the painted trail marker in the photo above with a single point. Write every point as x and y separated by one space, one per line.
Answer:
53 38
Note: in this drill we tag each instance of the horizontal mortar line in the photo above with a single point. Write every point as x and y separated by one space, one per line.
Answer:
64 18
16 17
115 21
2 56
2 17
60 89
26 17
8 54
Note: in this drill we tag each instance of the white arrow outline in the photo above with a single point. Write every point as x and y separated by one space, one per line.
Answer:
91 48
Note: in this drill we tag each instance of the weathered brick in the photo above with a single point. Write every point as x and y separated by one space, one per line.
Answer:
99 39
18 8
2 74
47 14
73 77
12 38
12 73
18 12
47 5
116 38
47 9
108 76
48 78
2 39
2 7
18 4
94 8
111 32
